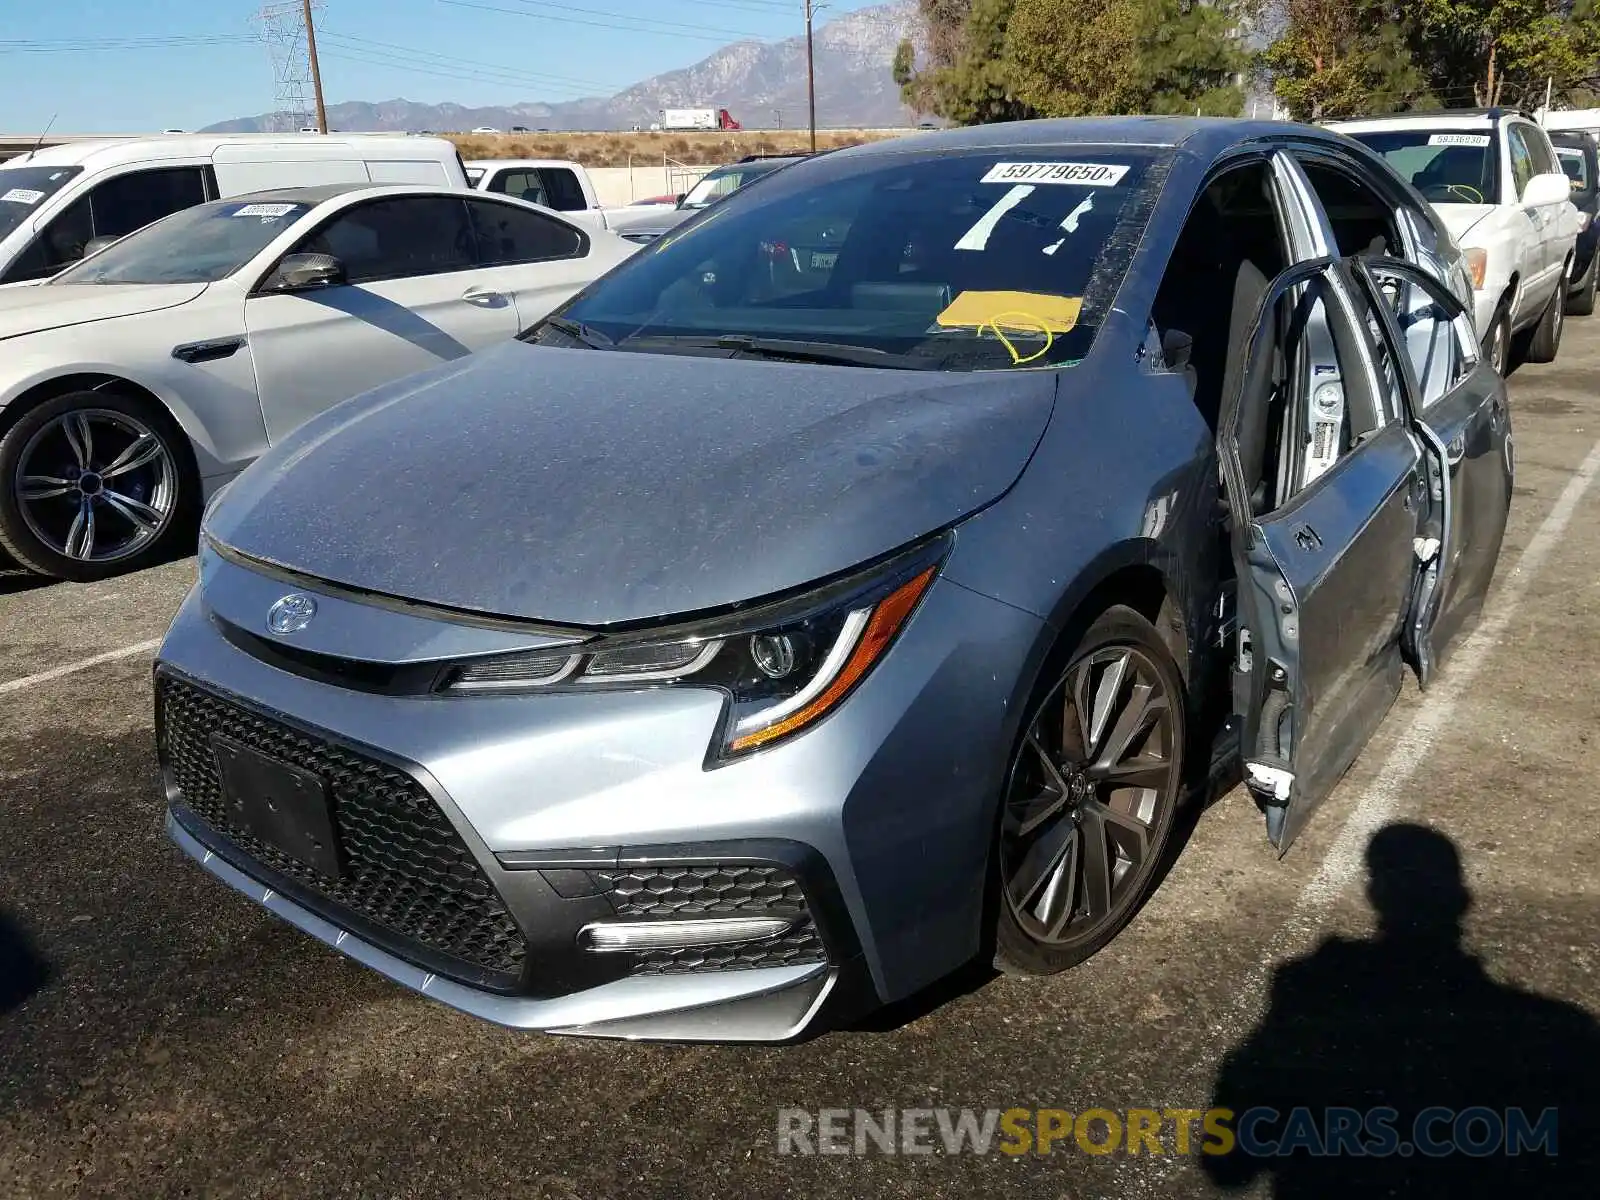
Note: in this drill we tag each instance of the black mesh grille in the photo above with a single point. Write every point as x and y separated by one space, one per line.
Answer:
407 870
716 889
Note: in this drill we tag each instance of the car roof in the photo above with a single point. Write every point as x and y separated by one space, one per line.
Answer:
1444 118
490 163
114 151
1202 134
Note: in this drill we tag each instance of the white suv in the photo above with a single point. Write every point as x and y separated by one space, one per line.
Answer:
1493 178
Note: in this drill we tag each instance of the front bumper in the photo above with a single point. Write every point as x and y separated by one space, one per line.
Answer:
763 1004
523 820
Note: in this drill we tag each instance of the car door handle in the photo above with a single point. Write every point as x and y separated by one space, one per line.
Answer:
199 352
484 297
1307 538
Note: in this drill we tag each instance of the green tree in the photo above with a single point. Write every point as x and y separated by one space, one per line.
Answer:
1012 59
1343 58
1507 51
968 78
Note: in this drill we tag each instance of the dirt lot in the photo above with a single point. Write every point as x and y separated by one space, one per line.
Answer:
161 1037
618 149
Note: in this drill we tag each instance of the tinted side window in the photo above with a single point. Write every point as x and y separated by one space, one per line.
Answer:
132 201
59 245
1539 149
1522 168
563 189
508 235
398 237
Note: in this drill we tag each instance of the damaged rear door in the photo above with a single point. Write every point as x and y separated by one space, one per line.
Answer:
1324 482
1458 410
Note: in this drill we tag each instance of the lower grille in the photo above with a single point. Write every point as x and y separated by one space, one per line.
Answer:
688 891
408 873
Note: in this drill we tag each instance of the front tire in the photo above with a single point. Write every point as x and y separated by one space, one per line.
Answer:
1546 340
94 484
1091 797
1581 302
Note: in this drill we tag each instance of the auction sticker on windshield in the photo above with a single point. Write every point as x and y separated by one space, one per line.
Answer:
23 196
1458 139
268 211
1092 174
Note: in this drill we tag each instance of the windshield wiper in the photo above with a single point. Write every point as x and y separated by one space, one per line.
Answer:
589 337
824 352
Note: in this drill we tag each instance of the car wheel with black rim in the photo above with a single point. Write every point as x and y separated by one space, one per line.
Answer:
1546 340
95 484
1581 302
1091 797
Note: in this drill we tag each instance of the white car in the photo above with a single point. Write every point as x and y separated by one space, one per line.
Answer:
140 380
1492 176
485 129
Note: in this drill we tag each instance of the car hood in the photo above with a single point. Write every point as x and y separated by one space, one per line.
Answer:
589 487
1460 219
54 306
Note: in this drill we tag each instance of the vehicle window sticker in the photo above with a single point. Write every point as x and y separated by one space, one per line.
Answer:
1081 174
1029 313
977 238
268 211
1458 139
1070 222
23 196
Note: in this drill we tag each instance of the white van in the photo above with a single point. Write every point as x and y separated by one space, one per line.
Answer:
56 201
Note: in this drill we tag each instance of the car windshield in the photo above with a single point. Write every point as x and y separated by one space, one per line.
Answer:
1576 164
725 180
23 188
1448 166
198 245
967 261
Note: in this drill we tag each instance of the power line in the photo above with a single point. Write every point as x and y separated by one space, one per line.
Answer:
95 45
435 58
635 28
628 18
460 75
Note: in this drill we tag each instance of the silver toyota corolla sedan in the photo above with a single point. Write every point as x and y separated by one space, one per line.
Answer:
851 584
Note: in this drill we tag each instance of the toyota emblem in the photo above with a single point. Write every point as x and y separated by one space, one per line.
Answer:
292 613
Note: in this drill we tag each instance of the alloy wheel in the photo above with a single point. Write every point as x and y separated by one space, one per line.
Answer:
96 485
1097 775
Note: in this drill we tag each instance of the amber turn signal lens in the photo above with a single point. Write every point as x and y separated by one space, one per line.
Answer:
887 618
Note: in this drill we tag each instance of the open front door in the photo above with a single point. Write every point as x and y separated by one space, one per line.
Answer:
1459 411
1323 480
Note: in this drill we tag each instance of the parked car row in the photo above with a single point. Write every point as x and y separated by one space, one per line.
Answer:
1494 177
852 583
135 383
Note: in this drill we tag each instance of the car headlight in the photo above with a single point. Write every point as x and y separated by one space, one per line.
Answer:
784 666
1477 266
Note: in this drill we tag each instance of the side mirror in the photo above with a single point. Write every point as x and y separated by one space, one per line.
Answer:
682 196
298 272
1551 188
98 244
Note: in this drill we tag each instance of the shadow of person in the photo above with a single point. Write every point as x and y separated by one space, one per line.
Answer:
1401 1036
23 971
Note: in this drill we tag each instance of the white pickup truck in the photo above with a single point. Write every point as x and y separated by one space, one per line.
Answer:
563 186
1493 178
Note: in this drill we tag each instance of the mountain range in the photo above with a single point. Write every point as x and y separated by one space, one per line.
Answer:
762 83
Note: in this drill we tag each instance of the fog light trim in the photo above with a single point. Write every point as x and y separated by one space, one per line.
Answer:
609 937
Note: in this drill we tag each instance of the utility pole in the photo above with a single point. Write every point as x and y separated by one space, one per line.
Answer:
316 71
811 78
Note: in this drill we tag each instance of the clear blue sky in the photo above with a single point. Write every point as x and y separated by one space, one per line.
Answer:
115 66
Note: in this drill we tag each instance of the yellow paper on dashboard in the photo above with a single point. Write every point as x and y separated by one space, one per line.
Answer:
1028 311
